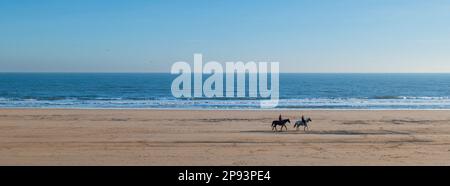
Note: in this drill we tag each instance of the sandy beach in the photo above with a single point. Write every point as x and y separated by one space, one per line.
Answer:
167 137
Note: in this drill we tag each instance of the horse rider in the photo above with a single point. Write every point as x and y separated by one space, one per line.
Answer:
279 118
303 119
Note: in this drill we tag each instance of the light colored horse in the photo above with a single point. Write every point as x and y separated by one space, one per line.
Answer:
304 124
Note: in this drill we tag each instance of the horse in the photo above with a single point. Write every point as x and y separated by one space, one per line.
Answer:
282 123
304 124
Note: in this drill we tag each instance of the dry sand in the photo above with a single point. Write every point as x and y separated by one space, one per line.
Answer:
163 137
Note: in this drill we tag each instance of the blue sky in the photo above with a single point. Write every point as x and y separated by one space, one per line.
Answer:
150 35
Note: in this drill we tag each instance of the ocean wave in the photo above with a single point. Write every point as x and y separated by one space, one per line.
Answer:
168 103
411 97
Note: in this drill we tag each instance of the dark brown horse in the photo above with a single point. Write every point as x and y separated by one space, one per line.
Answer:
282 123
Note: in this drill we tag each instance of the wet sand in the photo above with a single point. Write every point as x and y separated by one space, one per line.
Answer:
165 137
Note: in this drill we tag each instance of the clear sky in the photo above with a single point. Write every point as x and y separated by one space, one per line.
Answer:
150 35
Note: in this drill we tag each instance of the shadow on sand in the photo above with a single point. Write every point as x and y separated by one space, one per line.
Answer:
331 132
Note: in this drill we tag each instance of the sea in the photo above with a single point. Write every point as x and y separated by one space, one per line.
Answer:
321 91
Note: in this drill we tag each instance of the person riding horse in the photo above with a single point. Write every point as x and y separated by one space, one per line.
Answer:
280 122
303 122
